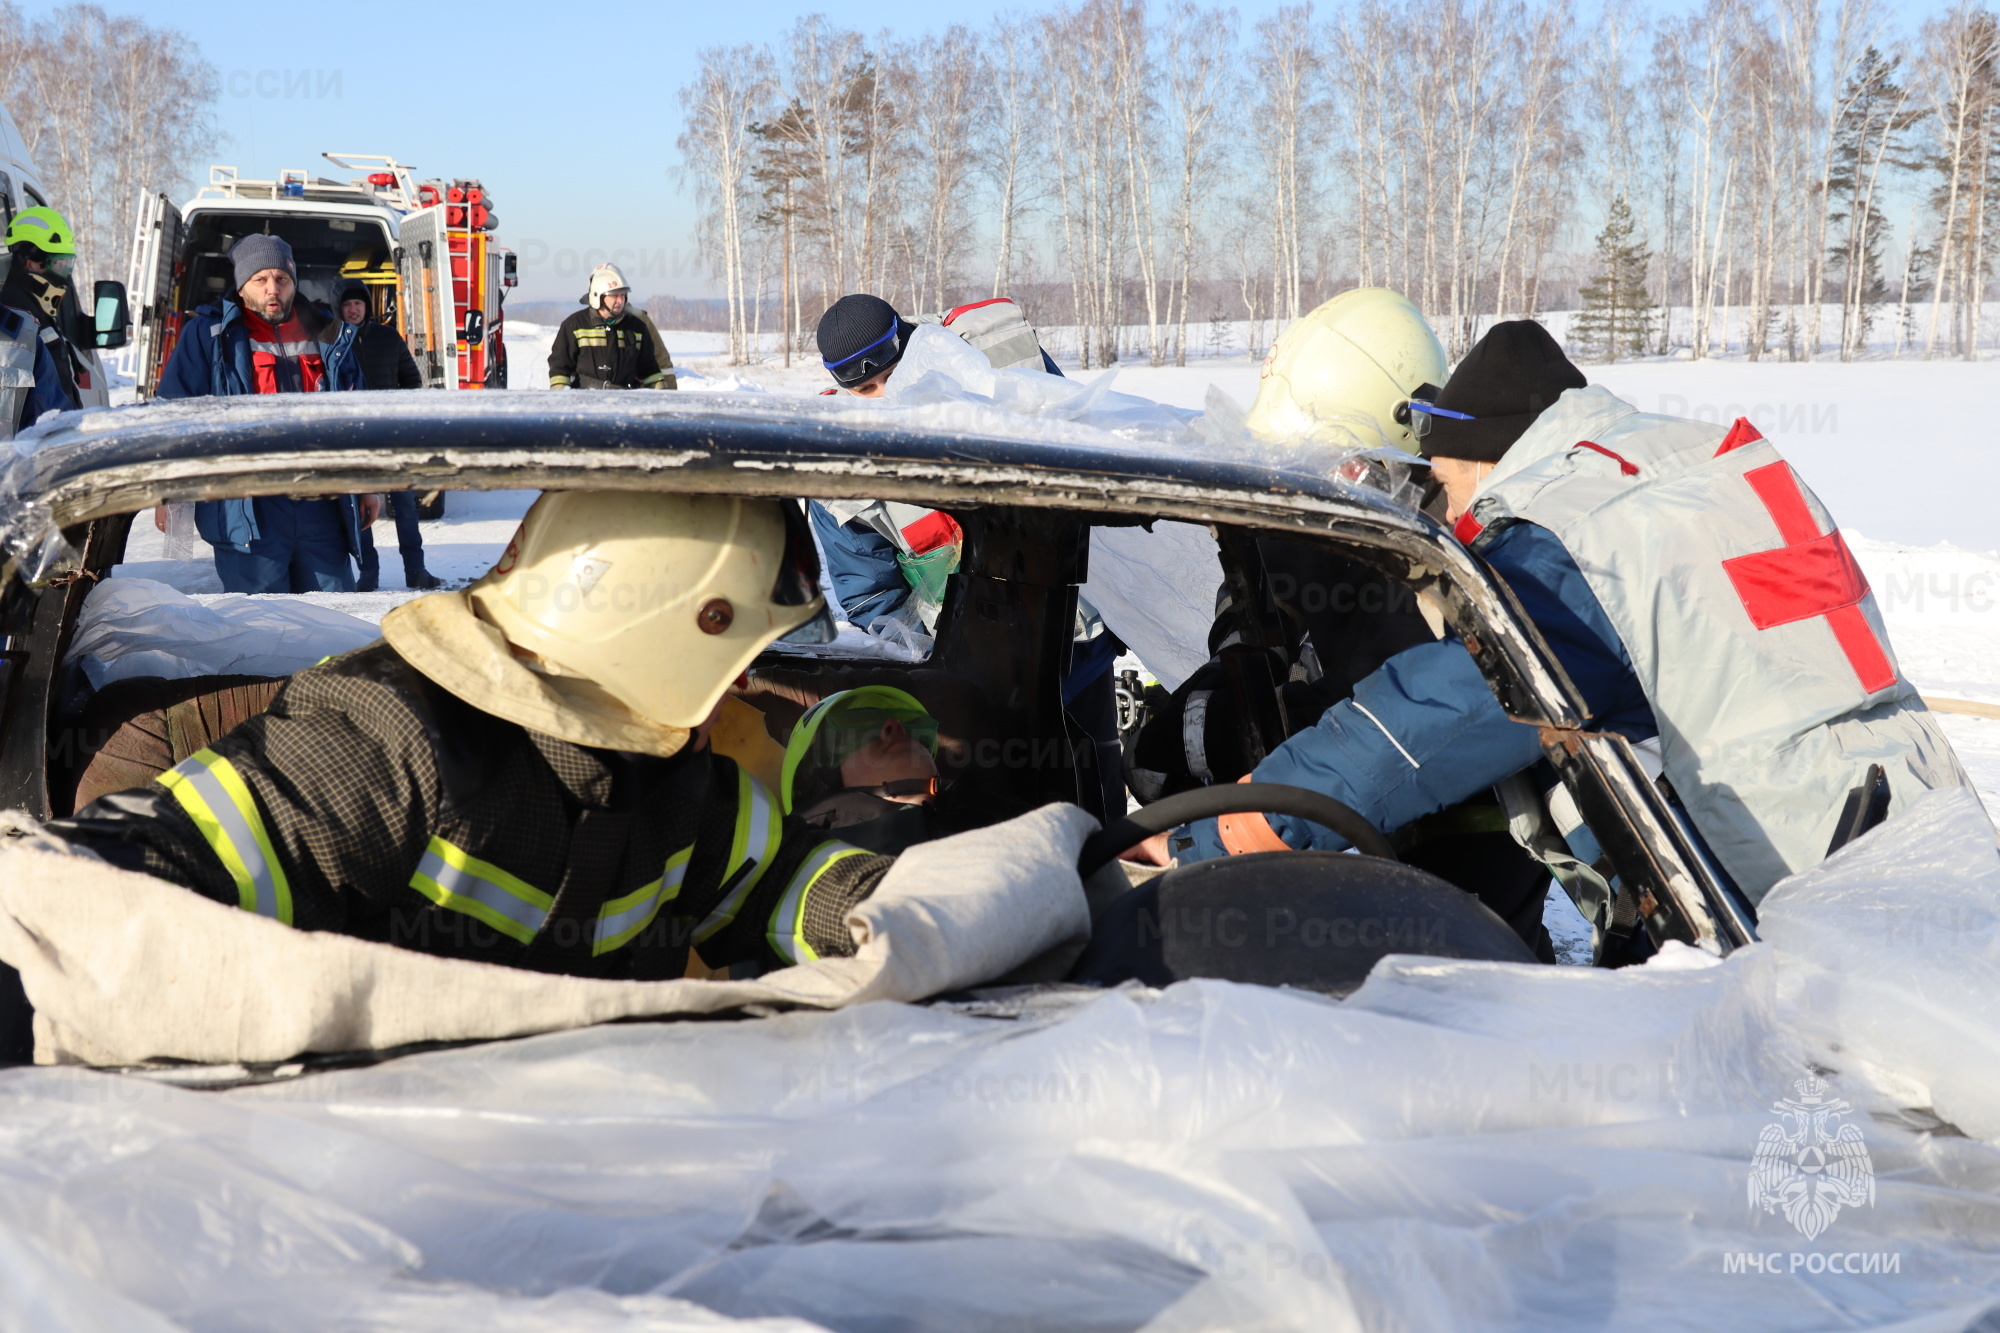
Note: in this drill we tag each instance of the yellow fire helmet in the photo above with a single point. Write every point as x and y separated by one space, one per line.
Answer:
660 600
1362 354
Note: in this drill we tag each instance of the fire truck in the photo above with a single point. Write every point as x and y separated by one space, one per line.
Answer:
423 250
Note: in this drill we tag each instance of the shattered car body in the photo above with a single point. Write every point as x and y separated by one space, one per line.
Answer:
1027 501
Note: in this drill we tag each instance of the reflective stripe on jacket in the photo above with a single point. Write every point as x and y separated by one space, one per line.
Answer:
370 801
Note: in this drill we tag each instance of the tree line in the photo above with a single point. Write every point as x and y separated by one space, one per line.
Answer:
108 106
1775 177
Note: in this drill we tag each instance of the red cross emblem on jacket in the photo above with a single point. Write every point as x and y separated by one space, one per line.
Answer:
1812 574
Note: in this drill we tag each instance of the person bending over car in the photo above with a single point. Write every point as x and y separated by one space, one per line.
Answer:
1693 590
519 773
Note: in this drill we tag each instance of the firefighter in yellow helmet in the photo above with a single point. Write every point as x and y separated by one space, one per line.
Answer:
520 773
1346 368
610 344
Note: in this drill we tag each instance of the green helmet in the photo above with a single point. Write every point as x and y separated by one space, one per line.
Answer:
43 228
842 723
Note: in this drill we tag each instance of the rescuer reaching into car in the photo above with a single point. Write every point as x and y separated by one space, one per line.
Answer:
520 773
1693 590
606 345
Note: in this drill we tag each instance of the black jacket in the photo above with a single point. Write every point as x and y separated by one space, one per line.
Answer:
386 362
590 354
398 812
23 292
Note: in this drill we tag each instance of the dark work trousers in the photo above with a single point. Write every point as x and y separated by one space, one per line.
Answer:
300 547
409 543
1094 708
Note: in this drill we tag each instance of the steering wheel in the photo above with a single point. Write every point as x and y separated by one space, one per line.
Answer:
1233 798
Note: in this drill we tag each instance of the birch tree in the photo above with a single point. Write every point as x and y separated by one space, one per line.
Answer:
729 94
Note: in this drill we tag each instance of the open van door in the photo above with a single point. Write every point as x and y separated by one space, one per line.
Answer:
156 251
423 267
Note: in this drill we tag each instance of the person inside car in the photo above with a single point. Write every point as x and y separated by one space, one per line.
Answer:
864 761
1694 592
521 772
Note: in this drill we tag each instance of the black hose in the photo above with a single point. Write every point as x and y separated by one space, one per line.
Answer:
1231 799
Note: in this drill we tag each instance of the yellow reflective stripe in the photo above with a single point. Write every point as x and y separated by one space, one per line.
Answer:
558 381
213 793
621 920
453 878
654 378
787 931
759 829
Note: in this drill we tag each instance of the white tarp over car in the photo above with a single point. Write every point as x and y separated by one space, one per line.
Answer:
1459 1146
123 968
140 627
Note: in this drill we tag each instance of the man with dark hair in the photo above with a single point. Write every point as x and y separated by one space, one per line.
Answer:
386 363
266 340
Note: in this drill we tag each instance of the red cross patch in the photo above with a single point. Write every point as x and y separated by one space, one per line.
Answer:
1812 574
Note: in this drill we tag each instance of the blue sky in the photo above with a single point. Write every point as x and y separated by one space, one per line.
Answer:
567 111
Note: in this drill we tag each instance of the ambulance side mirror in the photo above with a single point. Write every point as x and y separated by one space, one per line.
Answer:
111 317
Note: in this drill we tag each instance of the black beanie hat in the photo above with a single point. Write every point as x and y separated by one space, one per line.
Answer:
350 291
861 336
1503 384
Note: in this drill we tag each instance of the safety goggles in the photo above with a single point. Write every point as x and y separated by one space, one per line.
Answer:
851 729
798 578
61 265
871 360
1418 414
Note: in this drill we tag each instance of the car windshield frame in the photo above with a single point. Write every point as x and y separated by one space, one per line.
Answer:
104 465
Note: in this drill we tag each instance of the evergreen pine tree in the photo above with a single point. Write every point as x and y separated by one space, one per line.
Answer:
1617 315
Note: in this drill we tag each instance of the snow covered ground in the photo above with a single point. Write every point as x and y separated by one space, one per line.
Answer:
1456 1147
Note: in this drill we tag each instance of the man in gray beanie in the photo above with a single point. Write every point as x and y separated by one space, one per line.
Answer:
268 341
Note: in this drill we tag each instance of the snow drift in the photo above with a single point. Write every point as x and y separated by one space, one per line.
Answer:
1458 1146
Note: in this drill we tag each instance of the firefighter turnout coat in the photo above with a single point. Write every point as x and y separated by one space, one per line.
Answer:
592 353
370 801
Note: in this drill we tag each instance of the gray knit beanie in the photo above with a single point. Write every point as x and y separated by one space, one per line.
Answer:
255 253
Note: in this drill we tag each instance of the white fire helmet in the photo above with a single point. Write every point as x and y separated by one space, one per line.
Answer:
660 600
604 278
1359 355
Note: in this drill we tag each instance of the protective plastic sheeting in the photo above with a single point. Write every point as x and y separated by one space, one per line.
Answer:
1156 590
138 627
1459 1146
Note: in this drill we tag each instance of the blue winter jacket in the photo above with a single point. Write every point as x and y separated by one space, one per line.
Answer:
1423 731
212 359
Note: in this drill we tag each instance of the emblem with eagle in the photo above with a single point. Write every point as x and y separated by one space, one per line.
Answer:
1809 1165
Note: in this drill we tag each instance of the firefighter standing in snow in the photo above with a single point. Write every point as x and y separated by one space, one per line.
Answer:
269 341
520 773
605 346
1692 589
